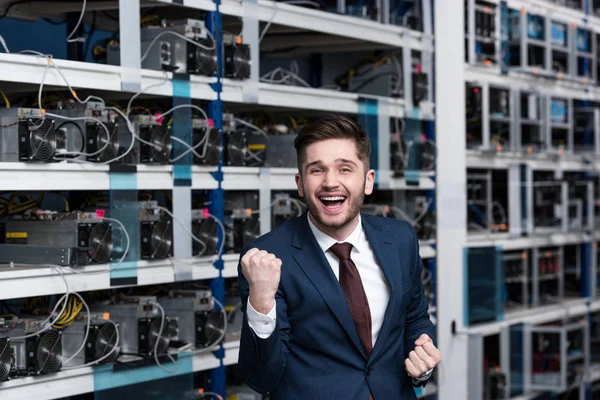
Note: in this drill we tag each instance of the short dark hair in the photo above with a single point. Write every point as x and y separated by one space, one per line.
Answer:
333 127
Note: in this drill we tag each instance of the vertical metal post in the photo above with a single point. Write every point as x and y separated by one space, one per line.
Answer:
529 206
451 195
383 144
476 371
524 36
571 131
514 201
505 358
527 357
535 277
471 31
485 118
407 79
130 45
264 200
251 34
561 273
597 130
593 270
564 207
341 6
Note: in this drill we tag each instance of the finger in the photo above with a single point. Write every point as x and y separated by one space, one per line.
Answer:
256 257
429 362
410 368
424 338
433 352
249 255
276 263
418 363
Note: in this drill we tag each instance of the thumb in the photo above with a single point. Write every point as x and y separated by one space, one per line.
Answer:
424 338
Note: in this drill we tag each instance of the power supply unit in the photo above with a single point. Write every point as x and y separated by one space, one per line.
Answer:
194 309
173 53
206 230
150 130
281 152
38 354
381 81
139 322
101 340
236 57
156 232
78 239
210 138
6 358
27 135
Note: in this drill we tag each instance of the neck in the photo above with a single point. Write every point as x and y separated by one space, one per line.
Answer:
340 234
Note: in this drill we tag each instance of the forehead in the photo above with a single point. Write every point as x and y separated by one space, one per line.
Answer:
330 150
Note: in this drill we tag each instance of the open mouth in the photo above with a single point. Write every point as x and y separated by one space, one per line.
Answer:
332 203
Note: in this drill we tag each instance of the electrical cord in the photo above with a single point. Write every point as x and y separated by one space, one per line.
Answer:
195 43
82 135
275 9
87 329
221 337
78 153
104 357
160 332
71 40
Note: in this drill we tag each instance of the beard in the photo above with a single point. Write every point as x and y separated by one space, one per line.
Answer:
354 204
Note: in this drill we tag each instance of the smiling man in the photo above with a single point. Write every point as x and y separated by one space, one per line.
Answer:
333 300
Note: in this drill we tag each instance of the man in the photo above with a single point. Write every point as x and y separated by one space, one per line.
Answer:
333 300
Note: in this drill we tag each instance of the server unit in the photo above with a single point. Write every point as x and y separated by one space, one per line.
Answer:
206 142
6 357
205 229
156 232
26 135
139 322
38 354
78 239
236 57
242 227
199 322
101 340
245 148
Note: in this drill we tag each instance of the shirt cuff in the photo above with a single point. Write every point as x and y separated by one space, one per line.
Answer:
423 377
262 325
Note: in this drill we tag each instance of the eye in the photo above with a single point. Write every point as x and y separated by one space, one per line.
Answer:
316 170
346 169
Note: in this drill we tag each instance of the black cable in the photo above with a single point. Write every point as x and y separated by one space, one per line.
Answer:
80 132
11 5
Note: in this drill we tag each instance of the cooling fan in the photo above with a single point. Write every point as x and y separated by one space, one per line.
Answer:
5 360
206 231
210 326
241 61
203 61
398 153
236 149
97 139
45 353
426 227
211 149
160 137
163 340
161 239
102 341
100 242
250 230
42 140
427 156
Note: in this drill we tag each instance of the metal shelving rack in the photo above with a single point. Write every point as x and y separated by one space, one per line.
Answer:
129 77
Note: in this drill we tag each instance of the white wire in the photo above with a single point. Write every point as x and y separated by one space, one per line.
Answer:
3 43
187 39
160 332
87 330
180 224
78 153
112 268
211 346
297 2
142 91
69 39
104 357
248 124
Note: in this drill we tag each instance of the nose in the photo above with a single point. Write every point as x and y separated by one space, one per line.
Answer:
331 180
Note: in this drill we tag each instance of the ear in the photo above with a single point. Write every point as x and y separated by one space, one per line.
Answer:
369 182
299 185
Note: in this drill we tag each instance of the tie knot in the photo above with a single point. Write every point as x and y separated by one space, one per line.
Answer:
342 250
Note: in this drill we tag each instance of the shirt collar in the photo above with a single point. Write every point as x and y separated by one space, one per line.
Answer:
325 241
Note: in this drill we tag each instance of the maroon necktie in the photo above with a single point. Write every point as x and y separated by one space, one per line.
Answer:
355 294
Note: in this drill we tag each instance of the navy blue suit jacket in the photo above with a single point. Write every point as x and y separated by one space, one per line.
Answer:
314 352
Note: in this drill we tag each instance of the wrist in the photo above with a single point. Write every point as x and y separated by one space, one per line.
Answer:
262 304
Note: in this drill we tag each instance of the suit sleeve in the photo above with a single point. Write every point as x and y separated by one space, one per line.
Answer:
262 361
417 315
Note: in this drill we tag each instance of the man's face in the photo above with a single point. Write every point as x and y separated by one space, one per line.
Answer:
333 182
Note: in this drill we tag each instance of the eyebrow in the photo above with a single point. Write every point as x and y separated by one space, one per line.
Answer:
339 160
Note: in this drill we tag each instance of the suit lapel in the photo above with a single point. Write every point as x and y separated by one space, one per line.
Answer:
313 262
388 258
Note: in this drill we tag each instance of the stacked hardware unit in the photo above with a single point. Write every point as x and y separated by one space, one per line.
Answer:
156 232
199 322
204 228
206 142
100 343
69 239
27 135
40 353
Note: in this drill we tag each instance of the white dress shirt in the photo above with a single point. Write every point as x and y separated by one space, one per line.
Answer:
373 280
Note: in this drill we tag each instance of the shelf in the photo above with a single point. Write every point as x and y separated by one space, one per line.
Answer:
305 98
503 160
29 69
232 353
207 5
27 282
81 380
249 178
538 315
75 176
333 24
386 181
507 243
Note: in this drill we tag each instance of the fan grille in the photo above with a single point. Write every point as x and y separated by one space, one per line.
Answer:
161 140
206 231
214 148
206 60
42 139
112 148
101 243
49 352
215 326
241 61
163 343
106 341
236 148
161 239
5 360
251 230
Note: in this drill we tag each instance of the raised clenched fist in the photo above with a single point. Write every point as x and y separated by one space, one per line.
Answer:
262 271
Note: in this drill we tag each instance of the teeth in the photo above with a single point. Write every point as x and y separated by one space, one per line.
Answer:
335 198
